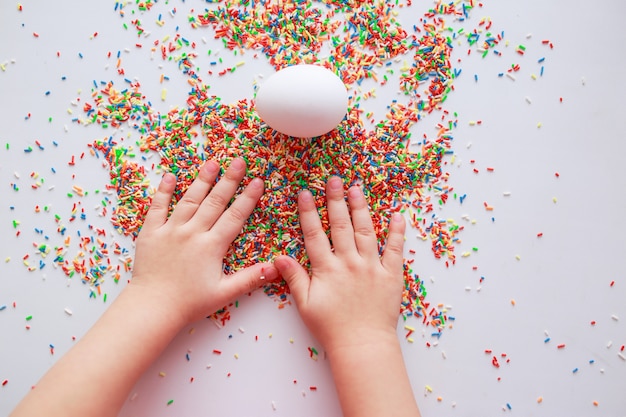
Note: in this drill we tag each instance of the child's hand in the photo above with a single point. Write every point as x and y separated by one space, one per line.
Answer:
180 259
352 296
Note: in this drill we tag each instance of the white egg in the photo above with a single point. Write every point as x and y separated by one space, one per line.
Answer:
302 101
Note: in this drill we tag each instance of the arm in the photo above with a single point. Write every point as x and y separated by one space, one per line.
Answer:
177 279
351 300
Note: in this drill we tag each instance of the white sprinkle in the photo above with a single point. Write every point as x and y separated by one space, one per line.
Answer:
443 354
614 317
468 288
608 345
621 356
506 193
511 76
134 396
16 175
68 311
241 330
274 405
528 100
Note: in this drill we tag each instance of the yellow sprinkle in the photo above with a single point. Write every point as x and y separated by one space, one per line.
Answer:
533 76
162 374
410 340
428 388
236 356
7 259
163 94
407 327
539 125
554 200
291 340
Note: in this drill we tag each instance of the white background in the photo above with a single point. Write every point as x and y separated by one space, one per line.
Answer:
559 282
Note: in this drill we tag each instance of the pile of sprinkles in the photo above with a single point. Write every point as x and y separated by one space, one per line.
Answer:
358 38
359 41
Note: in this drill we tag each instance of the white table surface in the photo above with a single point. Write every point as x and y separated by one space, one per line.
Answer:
533 288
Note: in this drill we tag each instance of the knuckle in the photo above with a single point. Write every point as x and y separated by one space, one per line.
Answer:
364 231
216 201
236 214
340 225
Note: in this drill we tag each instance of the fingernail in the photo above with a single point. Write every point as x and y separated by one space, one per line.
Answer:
335 183
257 183
169 178
396 217
355 191
211 166
238 163
305 195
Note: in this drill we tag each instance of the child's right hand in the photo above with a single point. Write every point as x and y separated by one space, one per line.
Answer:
353 295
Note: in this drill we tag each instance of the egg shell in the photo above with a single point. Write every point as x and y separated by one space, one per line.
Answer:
302 101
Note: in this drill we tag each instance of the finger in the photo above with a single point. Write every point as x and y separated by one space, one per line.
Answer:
247 280
296 276
341 230
157 214
392 258
315 239
230 223
196 193
364 233
218 199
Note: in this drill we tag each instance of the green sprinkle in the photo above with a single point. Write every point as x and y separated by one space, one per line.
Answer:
170 402
29 318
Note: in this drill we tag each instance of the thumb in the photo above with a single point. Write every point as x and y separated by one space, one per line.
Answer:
249 279
296 276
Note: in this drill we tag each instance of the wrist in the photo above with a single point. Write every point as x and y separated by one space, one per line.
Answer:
154 303
364 344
